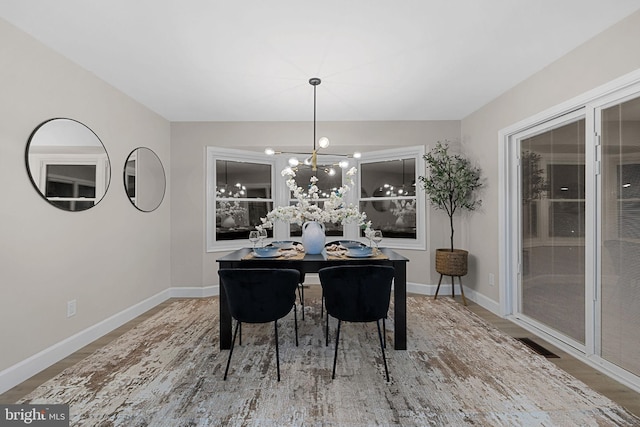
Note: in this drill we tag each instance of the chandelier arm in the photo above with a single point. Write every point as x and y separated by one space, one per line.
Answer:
350 156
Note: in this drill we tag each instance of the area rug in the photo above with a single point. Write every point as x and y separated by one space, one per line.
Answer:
457 371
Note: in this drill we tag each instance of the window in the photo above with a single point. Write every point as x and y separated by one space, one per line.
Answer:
566 200
240 192
628 187
389 196
243 187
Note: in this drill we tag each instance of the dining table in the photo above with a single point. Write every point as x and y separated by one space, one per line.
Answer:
312 263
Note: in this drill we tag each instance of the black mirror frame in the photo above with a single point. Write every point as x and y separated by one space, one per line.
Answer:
124 179
33 181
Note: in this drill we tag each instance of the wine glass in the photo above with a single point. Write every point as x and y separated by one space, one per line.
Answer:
261 236
254 236
376 236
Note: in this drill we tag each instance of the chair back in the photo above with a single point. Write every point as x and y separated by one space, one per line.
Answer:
357 293
259 295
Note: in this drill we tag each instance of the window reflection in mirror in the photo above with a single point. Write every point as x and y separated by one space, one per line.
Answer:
392 204
66 184
144 179
68 164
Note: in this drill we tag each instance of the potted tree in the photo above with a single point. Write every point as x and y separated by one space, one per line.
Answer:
450 184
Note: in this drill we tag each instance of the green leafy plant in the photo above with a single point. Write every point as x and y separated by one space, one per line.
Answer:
534 185
451 182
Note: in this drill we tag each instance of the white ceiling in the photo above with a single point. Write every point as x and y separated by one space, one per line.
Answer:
214 60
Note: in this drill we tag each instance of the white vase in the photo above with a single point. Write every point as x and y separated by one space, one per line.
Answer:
228 222
400 221
313 237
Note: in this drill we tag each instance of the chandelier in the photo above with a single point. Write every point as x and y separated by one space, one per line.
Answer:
227 190
311 159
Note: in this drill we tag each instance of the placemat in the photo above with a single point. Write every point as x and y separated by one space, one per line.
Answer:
284 255
342 255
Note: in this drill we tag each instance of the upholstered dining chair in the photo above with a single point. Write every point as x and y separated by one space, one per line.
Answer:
335 243
260 295
357 293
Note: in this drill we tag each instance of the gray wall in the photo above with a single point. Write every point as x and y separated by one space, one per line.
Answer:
107 258
607 56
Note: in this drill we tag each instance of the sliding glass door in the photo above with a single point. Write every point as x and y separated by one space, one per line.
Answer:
620 243
552 200
575 230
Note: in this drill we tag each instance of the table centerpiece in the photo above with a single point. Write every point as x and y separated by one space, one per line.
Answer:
308 213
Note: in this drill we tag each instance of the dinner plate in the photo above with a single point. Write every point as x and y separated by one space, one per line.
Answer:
350 244
256 255
353 255
283 244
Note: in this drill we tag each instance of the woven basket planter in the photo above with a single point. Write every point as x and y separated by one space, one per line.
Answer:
451 263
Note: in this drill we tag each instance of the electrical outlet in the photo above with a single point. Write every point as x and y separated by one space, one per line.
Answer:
492 279
71 308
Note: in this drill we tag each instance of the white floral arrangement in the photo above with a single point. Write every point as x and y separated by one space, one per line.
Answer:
403 208
229 208
306 209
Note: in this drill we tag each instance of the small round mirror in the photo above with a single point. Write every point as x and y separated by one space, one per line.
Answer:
68 164
144 179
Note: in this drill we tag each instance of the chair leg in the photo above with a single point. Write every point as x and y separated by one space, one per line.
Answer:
326 331
277 350
438 288
295 321
384 331
235 333
301 296
384 358
240 336
335 354
321 306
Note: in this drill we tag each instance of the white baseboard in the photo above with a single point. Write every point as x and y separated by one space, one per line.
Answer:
445 290
195 292
25 369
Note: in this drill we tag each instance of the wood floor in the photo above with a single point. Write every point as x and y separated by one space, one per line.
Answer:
595 379
617 392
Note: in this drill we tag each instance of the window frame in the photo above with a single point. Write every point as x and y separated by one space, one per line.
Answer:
416 153
242 156
39 163
281 197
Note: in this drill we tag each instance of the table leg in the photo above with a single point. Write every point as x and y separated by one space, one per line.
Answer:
400 306
225 321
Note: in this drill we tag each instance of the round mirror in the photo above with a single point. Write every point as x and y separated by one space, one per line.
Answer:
68 164
144 179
